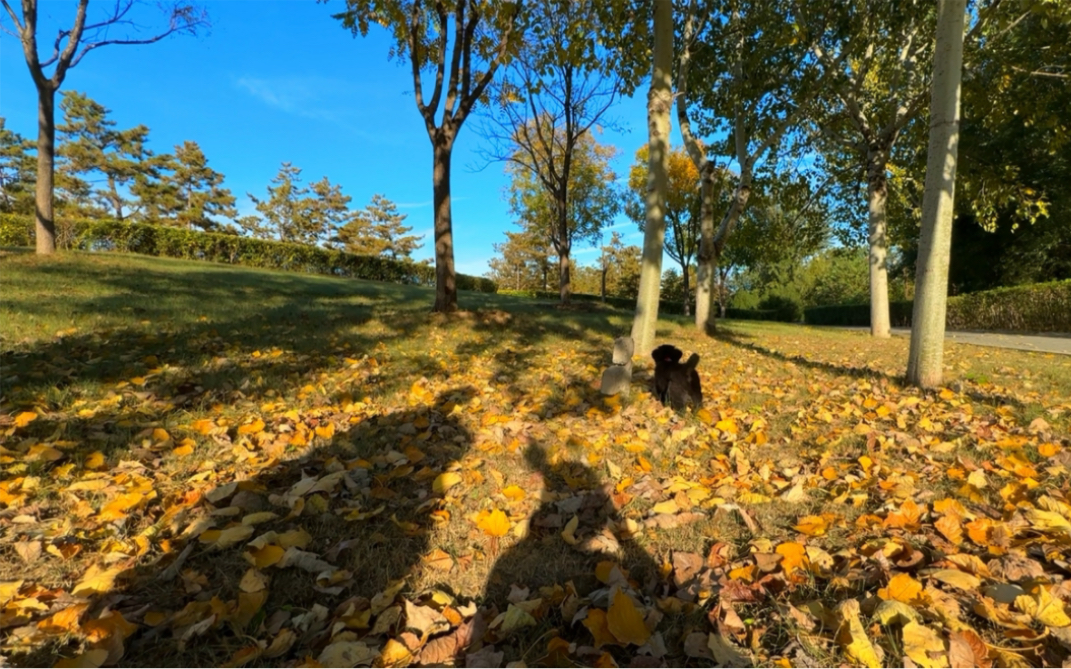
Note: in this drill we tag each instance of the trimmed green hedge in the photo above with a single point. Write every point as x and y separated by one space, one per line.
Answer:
755 314
159 240
665 307
1040 307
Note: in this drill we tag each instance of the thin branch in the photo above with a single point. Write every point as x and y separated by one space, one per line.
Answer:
1039 73
455 58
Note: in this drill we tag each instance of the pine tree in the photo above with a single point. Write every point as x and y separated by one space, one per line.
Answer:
293 213
187 192
91 144
378 230
17 172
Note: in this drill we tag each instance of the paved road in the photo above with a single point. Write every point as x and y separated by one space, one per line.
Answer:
1042 343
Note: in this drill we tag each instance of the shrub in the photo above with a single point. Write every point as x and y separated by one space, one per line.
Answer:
158 240
752 314
786 309
1041 307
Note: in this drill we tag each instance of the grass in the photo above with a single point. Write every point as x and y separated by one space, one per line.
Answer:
105 350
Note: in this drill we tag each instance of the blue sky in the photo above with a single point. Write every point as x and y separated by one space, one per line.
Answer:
283 81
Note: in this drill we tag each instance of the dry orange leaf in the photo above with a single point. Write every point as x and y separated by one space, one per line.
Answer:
494 523
96 581
252 428
597 624
814 526
902 588
94 460
204 426
949 526
25 418
514 493
795 556
266 556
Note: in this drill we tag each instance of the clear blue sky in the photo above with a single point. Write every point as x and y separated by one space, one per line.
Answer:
283 81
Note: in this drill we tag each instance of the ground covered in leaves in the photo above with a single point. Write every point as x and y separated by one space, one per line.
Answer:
208 465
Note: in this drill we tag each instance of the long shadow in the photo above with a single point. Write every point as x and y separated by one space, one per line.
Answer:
735 339
366 519
544 559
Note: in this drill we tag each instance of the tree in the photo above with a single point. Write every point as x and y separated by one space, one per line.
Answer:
621 267
593 200
683 203
378 230
753 81
484 35
292 213
16 171
91 144
523 262
924 363
69 47
188 192
659 103
559 85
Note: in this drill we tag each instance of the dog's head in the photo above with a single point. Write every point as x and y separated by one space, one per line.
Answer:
667 353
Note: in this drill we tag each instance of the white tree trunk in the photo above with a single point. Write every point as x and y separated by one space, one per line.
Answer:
924 363
659 103
877 193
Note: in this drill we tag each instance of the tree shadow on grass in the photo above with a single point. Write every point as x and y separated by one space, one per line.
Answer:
361 505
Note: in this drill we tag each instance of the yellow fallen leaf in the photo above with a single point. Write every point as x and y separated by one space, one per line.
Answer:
96 581
43 452
253 581
814 526
232 535
394 654
494 523
445 481
182 451
1043 607
344 654
569 533
957 579
950 527
853 637
251 428
598 626
924 646
118 507
901 588
204 426
94 460
258 517
625 621
160 435
795 556
514 493
25 418
325 431
266 556
705 416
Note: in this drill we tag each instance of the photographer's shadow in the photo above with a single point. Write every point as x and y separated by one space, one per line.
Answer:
591 562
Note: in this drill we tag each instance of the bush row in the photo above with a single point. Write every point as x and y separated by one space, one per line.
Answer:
171 242
1040 307
665 307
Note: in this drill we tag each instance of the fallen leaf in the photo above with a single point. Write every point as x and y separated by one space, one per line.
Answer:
494 523
924 646
625 621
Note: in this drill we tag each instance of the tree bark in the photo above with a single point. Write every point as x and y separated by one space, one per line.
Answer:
563 247
659 103
46 167
877 191
925 359
445 278
704 261
687 293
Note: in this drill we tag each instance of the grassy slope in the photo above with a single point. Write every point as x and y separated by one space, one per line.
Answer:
105 349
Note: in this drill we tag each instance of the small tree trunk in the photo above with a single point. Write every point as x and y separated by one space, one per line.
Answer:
705 274
117 201
603 286
877 193
46 166
687 291
924 363
445 278
659 102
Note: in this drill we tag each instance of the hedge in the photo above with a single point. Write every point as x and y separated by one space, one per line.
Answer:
1040 307
171 242
665 306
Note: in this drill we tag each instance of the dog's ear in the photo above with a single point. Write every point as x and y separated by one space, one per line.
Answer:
674 354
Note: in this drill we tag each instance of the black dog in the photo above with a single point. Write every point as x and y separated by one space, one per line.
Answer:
675 384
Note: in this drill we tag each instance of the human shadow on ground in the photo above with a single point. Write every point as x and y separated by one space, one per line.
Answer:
548 567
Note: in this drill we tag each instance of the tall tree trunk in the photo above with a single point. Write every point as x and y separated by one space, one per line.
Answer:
659 103
46 167
687 292
445 278
603 286
117 201
924 363
564 247
705 270
877 191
